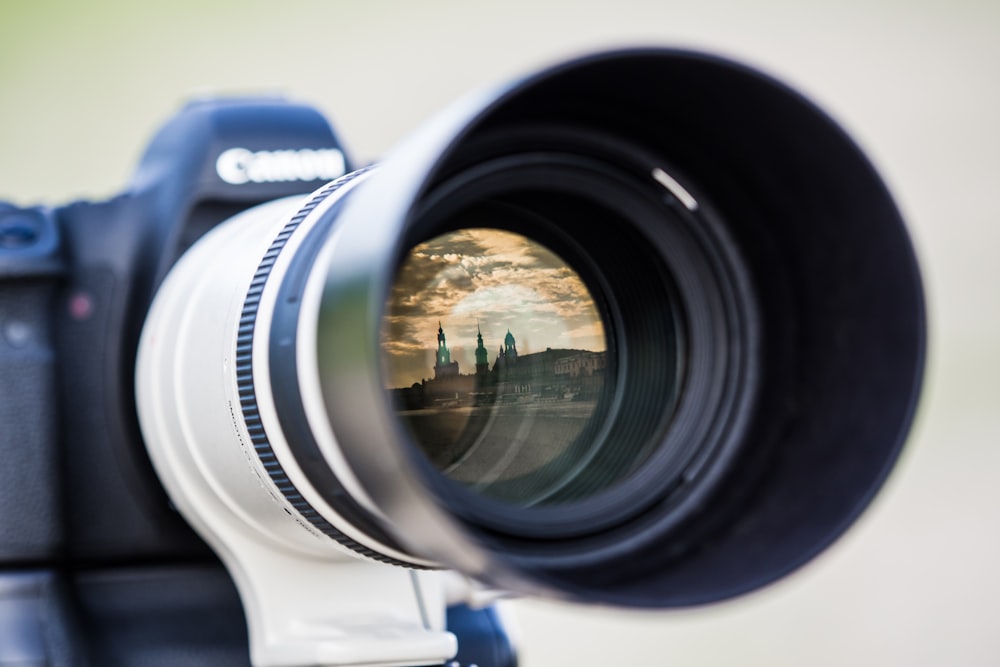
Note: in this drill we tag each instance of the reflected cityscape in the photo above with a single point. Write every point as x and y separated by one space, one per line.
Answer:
552 375
506 429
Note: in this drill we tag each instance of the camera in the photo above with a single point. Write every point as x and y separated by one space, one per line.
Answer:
641 329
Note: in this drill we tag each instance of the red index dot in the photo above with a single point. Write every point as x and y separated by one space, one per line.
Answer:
81 306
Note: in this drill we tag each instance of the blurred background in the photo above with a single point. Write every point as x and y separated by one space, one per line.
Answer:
83 85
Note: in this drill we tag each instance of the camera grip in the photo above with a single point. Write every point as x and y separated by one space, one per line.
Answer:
30 517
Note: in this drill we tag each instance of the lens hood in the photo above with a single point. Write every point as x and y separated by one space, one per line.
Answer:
801 318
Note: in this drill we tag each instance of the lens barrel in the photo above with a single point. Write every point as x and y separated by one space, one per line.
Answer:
719 337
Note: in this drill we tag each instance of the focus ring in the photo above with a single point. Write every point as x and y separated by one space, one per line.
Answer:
245 381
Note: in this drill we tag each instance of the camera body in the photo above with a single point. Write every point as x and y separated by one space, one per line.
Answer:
78 281
87 533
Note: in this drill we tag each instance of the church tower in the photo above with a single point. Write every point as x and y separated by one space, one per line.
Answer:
508 352
482 356
443 365
510 347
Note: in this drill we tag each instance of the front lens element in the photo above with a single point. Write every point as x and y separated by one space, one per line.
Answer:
497 362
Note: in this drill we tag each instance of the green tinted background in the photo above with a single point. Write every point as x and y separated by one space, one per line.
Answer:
83 85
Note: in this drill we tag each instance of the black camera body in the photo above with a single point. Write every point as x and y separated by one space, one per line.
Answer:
86 529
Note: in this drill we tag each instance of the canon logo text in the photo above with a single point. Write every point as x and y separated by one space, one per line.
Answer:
240 165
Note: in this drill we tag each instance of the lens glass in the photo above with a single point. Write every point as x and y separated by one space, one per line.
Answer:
496 360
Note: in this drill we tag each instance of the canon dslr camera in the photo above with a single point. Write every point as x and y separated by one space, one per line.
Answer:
644 329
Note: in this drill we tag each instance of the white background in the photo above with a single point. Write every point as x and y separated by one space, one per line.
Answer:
83 86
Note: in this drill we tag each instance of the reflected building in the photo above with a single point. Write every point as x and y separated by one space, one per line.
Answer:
443 365
585 364
482 356
508 352
552 375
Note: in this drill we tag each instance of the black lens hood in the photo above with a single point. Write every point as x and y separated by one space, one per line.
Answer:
825 267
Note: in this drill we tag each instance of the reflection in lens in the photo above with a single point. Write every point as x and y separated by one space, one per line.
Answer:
496 359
